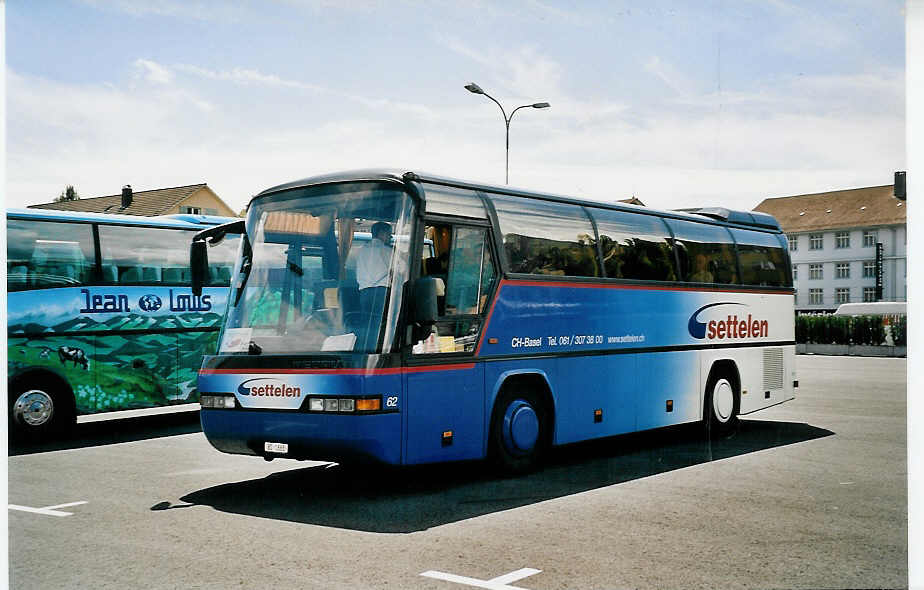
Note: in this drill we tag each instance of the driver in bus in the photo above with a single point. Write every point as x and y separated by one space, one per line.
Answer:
372 268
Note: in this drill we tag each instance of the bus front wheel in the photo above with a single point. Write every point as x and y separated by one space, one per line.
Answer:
519 432
39 412
721 405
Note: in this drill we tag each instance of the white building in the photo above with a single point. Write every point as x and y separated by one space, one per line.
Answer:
833 241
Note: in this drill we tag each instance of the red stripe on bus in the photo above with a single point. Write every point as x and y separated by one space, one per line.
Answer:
529 283
387 371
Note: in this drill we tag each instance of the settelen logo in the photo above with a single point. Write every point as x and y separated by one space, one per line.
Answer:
731 327
268 388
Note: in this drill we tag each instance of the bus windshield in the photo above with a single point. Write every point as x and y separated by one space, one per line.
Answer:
322 270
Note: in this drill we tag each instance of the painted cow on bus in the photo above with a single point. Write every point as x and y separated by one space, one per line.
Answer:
75 355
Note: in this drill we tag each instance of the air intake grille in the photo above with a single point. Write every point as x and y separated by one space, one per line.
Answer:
773 369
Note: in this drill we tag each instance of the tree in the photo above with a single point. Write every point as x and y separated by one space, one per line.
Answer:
68 194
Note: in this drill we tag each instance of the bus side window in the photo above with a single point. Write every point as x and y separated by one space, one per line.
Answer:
145 255
542 238
635 246
48 254
761 258
706 251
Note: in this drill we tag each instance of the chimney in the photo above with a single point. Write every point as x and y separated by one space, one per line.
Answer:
126 196
898 189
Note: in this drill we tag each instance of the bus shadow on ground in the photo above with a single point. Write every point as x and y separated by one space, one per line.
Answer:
414 499
108 432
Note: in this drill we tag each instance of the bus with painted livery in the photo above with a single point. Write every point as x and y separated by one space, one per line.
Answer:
538 320
100 315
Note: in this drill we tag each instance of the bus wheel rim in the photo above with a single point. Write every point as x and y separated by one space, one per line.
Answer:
33 408
521 427
723 400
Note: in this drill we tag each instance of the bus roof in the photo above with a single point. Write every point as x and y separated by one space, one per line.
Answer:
714 215
178 221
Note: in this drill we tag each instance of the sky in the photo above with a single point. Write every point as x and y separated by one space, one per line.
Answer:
680 104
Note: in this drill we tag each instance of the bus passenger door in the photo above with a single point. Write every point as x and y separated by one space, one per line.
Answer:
444 406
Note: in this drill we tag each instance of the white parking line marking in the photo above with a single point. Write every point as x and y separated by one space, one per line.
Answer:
47 510
514 576
498 583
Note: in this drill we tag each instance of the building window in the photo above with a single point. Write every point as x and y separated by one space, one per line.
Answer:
793 243
869 294
869 269
842 270
816 241
842 295
192 210
816 296
869 239
842 239
795 271
816 272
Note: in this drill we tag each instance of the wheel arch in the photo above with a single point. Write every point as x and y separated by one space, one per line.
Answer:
721 366
535 379
36 377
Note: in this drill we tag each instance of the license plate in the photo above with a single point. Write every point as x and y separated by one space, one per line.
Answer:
274 447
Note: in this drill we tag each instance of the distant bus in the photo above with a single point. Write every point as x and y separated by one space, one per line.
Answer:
883 308
100 316
537 320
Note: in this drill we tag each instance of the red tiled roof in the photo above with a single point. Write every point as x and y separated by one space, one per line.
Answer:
146 203
859 207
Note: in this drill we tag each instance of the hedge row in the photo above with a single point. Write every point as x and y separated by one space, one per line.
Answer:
833 329
900 330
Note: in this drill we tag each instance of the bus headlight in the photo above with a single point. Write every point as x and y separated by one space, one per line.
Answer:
221 402
344 405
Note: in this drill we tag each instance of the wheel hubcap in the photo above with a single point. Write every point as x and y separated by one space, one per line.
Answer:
521 427
33 408
723 400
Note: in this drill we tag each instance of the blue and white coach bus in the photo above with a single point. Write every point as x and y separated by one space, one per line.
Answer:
536 320
100 315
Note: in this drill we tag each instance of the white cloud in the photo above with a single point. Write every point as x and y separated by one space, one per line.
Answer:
671 76
200 10
152 71
787 136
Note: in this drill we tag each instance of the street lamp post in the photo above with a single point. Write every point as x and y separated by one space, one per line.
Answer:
475 89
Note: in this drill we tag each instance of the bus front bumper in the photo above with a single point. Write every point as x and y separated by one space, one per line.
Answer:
320 437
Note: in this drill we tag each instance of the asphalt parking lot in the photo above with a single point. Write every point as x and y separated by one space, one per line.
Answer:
808 494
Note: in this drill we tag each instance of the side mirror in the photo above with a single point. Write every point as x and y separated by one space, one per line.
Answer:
198 264
424 301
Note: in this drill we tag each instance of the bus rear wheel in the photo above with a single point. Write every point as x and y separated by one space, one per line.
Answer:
722 404
519 432
39 412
